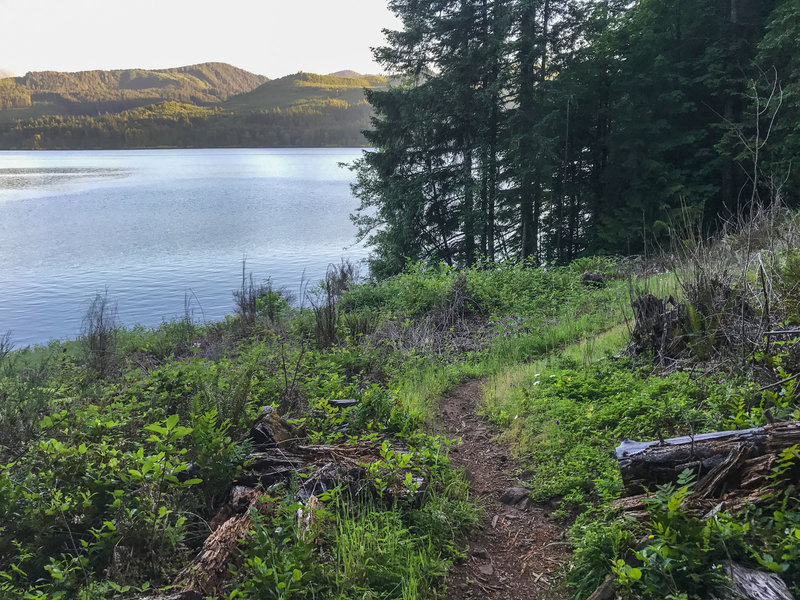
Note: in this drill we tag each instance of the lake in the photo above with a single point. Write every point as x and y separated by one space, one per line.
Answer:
153 226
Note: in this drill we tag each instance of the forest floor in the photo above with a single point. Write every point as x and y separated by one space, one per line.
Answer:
517 550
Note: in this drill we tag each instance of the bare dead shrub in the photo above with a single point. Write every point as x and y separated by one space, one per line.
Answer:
99 335
455 326
253 299
729 296
246 297
326 318
338 279
6 345
458 304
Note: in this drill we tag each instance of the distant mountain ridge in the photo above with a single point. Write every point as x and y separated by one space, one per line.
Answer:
209 104
346 73
97 92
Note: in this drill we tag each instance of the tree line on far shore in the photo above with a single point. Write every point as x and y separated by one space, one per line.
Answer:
176 125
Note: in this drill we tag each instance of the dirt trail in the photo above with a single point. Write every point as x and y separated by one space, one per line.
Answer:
516 553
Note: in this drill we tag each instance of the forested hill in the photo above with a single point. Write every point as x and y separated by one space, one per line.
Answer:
97 92
197 106
303 89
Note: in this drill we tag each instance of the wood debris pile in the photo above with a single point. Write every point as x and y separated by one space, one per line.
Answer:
279 456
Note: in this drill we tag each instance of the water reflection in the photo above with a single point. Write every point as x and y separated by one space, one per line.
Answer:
150 225
38 177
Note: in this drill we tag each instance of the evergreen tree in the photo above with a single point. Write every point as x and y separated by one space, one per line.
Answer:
546 129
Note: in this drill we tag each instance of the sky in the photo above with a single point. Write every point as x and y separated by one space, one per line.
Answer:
268 37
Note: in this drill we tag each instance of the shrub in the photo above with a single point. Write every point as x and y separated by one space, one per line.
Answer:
100 335
253 300
6 346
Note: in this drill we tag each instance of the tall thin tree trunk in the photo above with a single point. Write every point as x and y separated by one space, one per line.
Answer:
485 203
469 209
529 202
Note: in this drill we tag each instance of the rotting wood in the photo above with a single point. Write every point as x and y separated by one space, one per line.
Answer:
271 430
743 584
190 595
209 569
723 461
279 457
606 591
747 584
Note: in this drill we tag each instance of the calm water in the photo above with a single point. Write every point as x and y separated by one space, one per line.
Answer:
152 225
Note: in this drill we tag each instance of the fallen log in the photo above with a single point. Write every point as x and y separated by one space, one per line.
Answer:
190 595
722 461
732 470
742 584
747 584
279 457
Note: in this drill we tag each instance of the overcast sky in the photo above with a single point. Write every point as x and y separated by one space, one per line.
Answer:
269 37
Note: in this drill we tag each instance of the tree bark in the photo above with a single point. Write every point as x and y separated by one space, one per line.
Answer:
723 461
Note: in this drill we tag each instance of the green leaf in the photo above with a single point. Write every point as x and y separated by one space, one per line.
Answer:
297 575
181 432
172 421
55 572
157 428
635 574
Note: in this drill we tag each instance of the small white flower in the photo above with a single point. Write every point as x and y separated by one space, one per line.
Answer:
537 374
536 382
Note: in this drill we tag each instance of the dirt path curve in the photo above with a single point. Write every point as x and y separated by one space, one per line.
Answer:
515 554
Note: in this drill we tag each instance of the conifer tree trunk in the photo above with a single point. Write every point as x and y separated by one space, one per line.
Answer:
529 203
469 209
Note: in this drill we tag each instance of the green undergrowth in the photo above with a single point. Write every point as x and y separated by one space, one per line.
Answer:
117 449
353 549
532 312
116 454
564 415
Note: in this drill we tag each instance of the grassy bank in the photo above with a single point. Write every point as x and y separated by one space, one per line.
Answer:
119 449
716 369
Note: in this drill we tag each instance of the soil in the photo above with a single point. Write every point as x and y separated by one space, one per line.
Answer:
518 550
